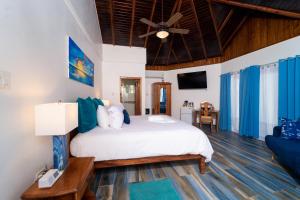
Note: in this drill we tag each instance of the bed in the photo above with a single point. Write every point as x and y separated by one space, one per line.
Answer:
143 141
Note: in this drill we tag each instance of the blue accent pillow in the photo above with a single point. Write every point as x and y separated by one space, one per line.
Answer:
126 117
87 115
288 129
97 102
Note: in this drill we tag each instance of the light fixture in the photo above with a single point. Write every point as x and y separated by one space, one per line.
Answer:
162 34
57 119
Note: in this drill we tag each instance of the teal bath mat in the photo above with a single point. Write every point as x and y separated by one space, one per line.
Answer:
153 190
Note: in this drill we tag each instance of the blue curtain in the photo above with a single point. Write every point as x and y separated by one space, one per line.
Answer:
225 109
249 101
289 88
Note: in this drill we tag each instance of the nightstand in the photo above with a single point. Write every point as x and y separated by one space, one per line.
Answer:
73 184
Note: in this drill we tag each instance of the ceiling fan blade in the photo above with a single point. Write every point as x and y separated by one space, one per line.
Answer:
148 22
147 34
179 30
174 19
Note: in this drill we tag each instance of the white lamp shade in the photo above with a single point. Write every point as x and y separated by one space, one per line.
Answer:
55 118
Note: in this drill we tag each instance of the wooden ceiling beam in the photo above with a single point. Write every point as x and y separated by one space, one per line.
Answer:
223 24
202 62
112 25
174 54
259 8
151 18
132 22
178 6
215 26
170 48
182 37
199 29
236 30
175 7
186 47
157 53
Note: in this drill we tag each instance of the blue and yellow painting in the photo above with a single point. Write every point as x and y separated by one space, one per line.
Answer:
81 68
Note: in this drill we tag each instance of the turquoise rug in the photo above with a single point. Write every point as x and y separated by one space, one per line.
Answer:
153 190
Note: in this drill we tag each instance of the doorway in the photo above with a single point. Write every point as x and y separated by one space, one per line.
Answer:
130 95
161 98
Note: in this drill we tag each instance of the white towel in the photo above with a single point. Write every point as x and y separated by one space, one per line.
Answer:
160 119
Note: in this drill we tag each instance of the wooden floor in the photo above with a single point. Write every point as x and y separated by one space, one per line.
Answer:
241 168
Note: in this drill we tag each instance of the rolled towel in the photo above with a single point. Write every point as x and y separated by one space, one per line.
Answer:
161 119
156 117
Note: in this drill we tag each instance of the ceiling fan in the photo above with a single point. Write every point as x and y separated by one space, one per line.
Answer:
164 28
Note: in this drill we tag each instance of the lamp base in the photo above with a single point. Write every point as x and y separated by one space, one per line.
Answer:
60 152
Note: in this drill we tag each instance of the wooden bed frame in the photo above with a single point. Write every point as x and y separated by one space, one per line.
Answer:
145 160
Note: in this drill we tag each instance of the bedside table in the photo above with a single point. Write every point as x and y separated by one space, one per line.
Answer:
73 184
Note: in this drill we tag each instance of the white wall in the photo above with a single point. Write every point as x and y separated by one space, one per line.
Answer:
266 55
121 61
287 48
87 18
211 94
263 56
34 49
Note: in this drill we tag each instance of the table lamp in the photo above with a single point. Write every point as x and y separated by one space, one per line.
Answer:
57 119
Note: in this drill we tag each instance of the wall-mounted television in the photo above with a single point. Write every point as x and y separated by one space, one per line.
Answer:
193 80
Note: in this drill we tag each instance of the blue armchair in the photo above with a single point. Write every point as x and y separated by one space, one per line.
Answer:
286 151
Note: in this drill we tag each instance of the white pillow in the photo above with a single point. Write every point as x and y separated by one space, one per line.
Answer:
117 106
116 117
102 117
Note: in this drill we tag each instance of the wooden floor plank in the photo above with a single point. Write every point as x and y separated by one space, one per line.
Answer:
243 171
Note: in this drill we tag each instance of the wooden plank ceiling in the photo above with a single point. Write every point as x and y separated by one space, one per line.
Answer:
212 25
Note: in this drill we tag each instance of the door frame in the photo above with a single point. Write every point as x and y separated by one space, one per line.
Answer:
156 87
138 93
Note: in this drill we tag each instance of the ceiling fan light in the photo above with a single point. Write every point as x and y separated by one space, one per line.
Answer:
162 34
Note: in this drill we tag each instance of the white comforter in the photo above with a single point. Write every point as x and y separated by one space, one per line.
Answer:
142 138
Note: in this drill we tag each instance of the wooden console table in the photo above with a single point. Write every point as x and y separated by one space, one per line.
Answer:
214 114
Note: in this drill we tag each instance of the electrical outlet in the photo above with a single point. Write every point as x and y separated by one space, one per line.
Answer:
4 80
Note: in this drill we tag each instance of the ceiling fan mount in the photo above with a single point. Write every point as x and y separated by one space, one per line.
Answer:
163 29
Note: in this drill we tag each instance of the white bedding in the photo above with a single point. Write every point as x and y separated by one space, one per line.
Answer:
142 138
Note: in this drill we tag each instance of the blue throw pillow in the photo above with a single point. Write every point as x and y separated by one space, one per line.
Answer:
87 115
288 129
97 102
126 117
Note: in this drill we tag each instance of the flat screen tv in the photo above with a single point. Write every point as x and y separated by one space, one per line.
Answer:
194 80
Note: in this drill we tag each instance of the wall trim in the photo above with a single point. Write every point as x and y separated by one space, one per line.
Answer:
108 61
209 61
77 19
196 63
81 26
256 34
